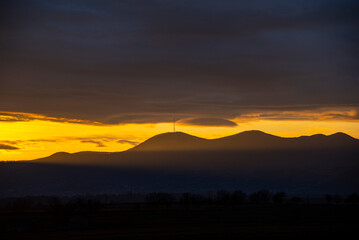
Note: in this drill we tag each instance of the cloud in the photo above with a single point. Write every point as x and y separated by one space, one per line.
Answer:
324 114
99 140
142 118
140 61
24 117
209 122
7 147
98 143
28 141
242 114
122 141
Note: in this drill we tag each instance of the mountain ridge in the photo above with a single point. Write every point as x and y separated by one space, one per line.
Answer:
307 164
247 140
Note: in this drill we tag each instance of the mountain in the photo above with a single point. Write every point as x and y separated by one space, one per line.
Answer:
248 140
177 161
183 143
172 141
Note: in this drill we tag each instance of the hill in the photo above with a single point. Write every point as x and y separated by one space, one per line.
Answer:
183 142
180 162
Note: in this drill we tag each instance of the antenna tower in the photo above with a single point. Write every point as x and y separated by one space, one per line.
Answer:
174 124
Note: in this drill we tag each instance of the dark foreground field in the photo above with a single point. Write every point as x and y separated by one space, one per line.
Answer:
178 220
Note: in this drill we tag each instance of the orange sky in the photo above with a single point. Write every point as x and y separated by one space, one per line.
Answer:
44 136
102 76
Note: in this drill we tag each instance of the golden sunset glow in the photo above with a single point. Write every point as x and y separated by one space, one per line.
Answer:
42 136
119 119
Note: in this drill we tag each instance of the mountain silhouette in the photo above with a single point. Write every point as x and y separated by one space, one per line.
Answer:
181 141
177 144
172 141
178 161
248 140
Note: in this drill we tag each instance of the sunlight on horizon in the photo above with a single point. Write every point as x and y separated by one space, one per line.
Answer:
38 138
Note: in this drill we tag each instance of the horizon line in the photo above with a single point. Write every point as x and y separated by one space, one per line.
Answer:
181 132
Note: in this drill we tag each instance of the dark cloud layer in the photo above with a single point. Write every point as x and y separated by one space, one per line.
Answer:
145 61
7 147
98 143
123 141
210 122
25 117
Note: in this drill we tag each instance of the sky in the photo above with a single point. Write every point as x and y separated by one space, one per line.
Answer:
105 75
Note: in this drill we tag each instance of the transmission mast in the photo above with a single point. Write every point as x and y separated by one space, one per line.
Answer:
174 124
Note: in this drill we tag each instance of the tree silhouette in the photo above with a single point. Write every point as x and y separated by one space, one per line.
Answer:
278 198
160 198
190 198
223 197
337 198
329 198
352 198
260 197
21 204
85 205
238 197
296 200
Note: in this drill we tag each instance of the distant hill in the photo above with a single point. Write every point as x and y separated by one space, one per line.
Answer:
176 148
183 142
177 161
248 140
172 141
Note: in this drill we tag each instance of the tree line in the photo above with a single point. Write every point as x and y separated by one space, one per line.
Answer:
93 203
